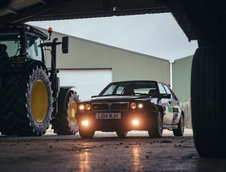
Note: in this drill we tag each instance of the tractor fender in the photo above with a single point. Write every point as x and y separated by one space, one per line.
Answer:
23 67
33 63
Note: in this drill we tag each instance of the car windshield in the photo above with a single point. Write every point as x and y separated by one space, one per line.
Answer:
9 44
131 88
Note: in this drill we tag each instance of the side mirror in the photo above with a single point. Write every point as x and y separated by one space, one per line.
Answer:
93 96
65 44
166 96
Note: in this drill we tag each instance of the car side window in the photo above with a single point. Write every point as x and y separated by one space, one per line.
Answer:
161 89
173 95
119 90
168 90
110 90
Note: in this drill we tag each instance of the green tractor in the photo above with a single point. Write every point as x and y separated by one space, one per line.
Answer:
30 94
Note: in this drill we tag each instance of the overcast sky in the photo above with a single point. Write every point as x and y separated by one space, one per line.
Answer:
157 35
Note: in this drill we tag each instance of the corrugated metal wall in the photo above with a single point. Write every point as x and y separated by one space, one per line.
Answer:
181 85
182 77
125 65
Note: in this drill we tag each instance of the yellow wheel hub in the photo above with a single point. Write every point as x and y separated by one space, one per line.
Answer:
39 100
72 113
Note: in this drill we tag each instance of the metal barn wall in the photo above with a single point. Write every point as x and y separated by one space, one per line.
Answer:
125 65
182 77
181 85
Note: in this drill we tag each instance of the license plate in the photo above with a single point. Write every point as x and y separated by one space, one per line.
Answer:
108 115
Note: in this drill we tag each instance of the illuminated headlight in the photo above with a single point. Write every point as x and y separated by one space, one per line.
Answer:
84 107
87 107
140 106
133 105
81 107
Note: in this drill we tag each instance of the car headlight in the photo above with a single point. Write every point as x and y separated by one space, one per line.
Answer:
86 107
140 106
81 107
133 105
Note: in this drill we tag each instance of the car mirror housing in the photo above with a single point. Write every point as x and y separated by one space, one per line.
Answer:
93 96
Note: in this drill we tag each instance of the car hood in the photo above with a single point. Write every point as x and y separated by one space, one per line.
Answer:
118 98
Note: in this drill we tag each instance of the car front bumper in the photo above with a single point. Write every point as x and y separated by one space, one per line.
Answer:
128 121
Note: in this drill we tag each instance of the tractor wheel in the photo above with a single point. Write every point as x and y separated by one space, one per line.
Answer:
208 101
65 121
28 103
156 127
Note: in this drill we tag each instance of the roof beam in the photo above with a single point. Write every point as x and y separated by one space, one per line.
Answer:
101 8
31 11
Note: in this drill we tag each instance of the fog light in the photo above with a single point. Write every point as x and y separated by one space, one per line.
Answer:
85 123
81 107
135 122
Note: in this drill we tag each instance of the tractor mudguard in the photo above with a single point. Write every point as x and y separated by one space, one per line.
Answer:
21 67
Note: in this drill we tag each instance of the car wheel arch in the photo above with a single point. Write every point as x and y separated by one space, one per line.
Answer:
161 109
182 113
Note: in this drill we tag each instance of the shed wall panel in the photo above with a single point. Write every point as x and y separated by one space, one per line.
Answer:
182 78
125 65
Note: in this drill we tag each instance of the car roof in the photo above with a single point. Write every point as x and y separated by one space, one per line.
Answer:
133 81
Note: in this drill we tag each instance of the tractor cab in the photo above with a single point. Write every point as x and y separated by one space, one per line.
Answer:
21 42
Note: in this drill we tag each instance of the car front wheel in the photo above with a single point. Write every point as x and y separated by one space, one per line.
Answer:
156 128
121 133
86 133
180 129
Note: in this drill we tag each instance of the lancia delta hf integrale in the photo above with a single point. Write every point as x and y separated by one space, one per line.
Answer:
132 105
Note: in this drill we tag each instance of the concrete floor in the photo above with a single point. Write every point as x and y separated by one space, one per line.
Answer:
105 152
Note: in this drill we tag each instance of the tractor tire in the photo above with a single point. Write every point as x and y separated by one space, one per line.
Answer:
28 103
65 121
208 101
180 129
156 127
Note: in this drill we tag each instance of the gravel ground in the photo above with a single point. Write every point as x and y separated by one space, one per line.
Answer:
105 152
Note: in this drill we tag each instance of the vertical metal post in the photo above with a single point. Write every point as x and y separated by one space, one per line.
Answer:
53 76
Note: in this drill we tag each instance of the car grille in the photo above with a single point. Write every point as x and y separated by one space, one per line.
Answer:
97 107
110 107
119 106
